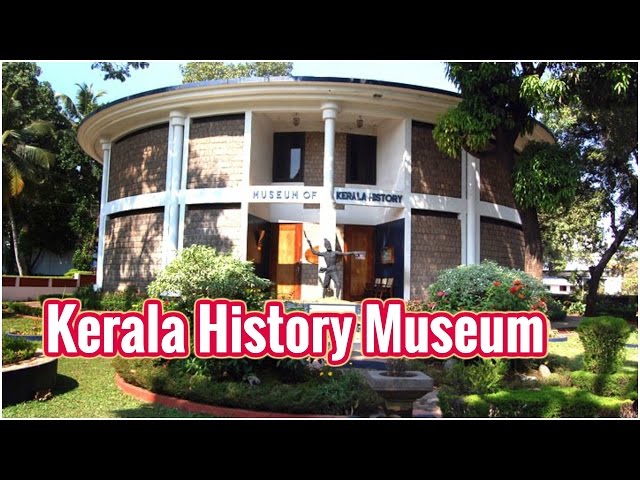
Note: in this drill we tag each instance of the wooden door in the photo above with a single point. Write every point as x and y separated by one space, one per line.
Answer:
357 273
288 268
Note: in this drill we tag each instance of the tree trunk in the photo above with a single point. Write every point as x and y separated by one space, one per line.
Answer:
14 238
596 271
532 242
505 144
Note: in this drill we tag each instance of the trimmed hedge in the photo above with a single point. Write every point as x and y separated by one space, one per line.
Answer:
15 349
345 393
548 402
603 339
609 385
42 298
20 308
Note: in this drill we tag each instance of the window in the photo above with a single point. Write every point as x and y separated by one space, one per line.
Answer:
563 288
361 159
288 157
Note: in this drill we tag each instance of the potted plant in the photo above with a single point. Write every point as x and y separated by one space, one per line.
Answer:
25 371
398 386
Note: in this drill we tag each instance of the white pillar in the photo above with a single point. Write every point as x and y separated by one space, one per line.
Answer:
406 199
104 198
246 171
473 215
327 201
174 173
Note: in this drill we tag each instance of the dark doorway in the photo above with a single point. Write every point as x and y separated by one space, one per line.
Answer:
357 273
288 242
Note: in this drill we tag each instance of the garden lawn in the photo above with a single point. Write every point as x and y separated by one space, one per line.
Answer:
569 355
86 389
22 324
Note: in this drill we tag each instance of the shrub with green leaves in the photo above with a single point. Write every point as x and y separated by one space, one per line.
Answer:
555 312
15 349
341 393
486 286
608 385
20 308
201 272
576 308
121 301
603 339
547 402
476 377
89 297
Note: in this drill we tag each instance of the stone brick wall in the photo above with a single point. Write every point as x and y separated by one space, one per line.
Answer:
314 159
215 225
435 246
215 152
314 162
432 172
139 163
496 185
133 249
502 242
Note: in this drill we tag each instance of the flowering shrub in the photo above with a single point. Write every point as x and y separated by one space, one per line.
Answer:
201 272
486 287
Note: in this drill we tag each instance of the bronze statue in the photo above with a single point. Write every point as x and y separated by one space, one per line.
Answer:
330 271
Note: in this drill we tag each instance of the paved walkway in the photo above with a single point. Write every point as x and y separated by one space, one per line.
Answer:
569 323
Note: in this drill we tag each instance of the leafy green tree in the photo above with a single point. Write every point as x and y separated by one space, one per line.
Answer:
118 70
85 189
499 104
573 232
86 102
600 119
202 71
57 211
22 161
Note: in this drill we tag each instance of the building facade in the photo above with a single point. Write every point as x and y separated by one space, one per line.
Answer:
251 166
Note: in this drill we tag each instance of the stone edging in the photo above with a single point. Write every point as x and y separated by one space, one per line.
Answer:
193 407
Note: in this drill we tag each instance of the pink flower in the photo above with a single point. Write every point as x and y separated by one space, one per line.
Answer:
441 293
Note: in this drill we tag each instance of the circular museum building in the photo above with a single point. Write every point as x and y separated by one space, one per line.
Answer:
251 166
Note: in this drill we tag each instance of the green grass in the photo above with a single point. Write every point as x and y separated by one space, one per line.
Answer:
23 325
569 355
86 389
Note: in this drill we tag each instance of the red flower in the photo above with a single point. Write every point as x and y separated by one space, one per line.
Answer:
497 283
521 296
517 282
441 293
513 289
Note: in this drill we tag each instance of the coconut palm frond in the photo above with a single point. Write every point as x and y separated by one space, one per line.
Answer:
39 128
34 156
68 106
12 178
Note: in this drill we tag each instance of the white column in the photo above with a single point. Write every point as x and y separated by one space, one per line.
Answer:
183 183
246 171
473 215
174 172
104 198
406 165
327 201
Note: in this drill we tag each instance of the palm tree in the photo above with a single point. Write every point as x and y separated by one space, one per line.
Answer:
21 161
85 103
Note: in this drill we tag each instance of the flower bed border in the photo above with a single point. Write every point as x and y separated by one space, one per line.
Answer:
194 407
